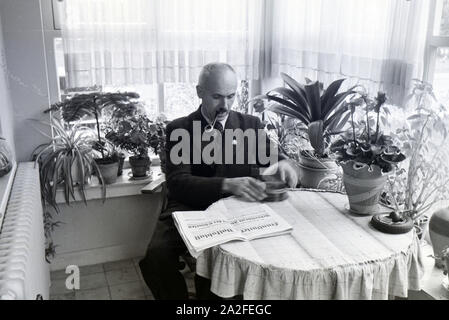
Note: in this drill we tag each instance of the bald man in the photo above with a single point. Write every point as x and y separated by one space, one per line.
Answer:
196 185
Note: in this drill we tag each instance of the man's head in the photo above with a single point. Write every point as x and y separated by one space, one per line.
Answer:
217 86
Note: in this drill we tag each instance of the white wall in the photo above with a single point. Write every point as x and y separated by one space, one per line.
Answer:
118 229
25 53
6 108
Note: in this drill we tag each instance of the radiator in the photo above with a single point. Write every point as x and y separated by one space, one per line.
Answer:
24 273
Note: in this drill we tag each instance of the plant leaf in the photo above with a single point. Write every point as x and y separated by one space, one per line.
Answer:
330 92
288 111
299 101
313 98
315 131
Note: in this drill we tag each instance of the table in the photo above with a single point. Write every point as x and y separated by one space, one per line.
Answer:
330 254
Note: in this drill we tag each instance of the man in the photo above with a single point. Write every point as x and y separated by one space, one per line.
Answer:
196 185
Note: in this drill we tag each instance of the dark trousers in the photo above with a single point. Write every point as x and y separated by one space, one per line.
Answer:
160 265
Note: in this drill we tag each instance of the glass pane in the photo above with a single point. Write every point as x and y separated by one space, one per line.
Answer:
180 99
147 93
59 56
441 27
441 75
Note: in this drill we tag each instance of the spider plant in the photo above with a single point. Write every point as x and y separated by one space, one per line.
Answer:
322 111
66 162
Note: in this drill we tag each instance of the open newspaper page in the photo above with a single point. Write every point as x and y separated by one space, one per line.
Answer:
258 221
204 229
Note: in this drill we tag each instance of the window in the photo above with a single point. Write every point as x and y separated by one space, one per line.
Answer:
173 99
438 49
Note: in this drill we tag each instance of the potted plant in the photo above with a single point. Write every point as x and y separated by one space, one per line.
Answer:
109 161
286 134
366 155
323 114
93 105
66 162
422 181
158 138
131 131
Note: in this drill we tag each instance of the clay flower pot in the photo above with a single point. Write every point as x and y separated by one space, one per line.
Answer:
363 185
108 170
314 170
139 166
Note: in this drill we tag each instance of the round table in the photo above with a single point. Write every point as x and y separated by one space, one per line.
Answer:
330 254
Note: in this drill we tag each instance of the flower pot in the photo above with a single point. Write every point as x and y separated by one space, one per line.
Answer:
139 166
108 170
394 223
76 172
363 185
313 170
439 233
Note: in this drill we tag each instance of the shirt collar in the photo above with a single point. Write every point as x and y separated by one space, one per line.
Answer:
223 122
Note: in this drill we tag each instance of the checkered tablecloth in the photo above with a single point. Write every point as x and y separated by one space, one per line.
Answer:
330 254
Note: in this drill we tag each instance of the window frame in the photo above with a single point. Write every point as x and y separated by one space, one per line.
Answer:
433 42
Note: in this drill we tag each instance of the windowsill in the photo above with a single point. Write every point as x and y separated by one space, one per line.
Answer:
5 187
124 186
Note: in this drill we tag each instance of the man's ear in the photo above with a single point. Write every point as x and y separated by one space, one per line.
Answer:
199 92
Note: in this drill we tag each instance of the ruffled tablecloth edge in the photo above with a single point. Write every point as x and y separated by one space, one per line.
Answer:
378 279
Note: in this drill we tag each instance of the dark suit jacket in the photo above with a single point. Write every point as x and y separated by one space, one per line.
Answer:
199 185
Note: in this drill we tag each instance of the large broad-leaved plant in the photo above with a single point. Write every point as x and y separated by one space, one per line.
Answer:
321 110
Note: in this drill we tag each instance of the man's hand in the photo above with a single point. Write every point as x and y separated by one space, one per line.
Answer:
248 188
286 170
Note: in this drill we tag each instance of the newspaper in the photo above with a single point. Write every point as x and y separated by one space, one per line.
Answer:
205 229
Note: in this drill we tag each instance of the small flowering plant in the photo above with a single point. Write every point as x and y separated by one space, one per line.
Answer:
129 128
158 133
365 143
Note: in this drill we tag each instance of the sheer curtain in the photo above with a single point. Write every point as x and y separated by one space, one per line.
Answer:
123 42
379 44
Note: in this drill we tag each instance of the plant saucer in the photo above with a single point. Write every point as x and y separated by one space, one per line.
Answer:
132 178
384 223
355 212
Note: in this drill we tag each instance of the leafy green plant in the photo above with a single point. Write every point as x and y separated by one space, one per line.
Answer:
68 153
284 132
130 129
158 134
92 105
422 180
321 111
242 97
363 143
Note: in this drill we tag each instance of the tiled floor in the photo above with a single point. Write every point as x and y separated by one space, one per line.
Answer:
119 280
